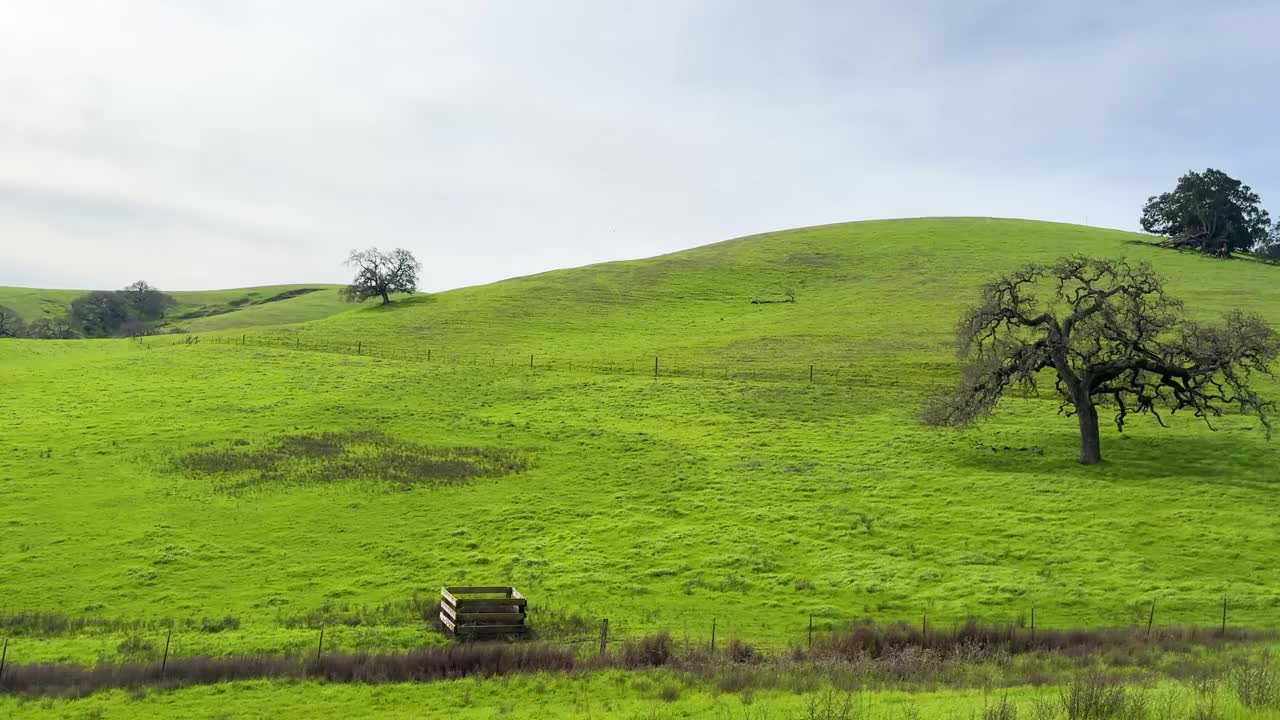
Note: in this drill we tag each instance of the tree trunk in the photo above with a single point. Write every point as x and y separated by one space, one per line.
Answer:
386 299
1090 442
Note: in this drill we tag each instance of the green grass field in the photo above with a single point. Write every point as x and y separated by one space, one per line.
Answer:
203 310
729 487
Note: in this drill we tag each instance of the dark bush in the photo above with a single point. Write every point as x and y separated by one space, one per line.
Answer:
652 651
740 652
976 641
453 661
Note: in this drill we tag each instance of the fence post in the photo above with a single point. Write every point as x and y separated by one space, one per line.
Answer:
320 647
359 348
810 631
924 623
242 339
1151 618
1033 623
604 635
297 343
4 655
164 662
530 361
655 366
713 635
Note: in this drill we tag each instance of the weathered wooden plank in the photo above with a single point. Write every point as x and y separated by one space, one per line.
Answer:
516 594
449 609
504 590
496 602
444 593
448 623
505 618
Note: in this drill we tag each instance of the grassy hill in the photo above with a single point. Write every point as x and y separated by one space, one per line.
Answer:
203 310
269 477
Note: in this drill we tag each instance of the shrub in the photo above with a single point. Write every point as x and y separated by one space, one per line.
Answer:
651 651
740 652
1256 685
1095 696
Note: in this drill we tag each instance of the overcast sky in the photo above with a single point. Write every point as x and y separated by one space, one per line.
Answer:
221 143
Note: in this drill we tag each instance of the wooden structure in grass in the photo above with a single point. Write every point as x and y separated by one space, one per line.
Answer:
483 612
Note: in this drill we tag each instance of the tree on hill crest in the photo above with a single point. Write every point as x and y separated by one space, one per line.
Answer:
1209 211
147 302
1112 338
379 274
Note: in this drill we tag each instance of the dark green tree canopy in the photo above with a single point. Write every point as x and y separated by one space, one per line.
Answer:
379 274
1111 337
1210 211
11 324
99 313
146 302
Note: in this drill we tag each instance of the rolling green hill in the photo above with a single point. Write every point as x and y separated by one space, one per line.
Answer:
291 476
202 310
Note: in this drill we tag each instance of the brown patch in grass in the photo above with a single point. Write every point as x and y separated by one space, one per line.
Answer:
351 456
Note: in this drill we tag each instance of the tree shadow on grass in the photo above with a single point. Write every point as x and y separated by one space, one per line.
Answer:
400 302
1234 457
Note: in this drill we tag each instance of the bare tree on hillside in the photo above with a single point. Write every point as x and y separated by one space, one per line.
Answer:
146 302
54 328
1112 338
379 274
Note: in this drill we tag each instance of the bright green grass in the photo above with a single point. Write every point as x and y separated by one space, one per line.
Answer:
660 503
632 695
242 312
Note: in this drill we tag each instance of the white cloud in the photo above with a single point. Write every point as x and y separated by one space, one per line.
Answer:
208 144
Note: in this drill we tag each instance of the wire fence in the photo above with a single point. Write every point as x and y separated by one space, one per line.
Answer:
349 629
653 366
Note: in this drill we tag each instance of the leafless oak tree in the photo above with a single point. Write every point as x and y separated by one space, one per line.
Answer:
1112 338
379 274
11 324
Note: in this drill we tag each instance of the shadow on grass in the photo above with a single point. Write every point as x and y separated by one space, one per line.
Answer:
1236 458
398 302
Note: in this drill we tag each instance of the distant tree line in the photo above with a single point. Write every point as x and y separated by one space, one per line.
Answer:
131 312
1215 214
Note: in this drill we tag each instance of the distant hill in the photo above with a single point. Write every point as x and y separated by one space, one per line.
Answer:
887 292
204 310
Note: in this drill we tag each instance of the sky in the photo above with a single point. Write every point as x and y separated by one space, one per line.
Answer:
215 144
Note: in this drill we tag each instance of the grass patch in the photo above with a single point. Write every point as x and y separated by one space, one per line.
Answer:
363 455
